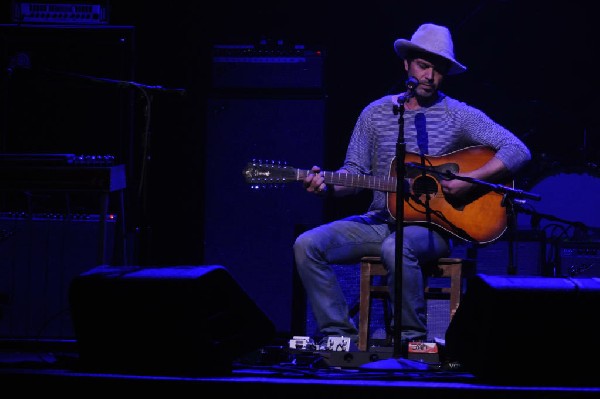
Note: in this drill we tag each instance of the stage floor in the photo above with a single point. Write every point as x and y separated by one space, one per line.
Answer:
54 366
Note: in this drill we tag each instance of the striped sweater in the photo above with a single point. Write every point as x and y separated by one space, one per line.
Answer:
447 126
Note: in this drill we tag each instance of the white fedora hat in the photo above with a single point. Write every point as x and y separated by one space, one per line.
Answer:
433 39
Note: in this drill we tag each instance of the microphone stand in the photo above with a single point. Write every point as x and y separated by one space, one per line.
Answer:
143 226
397 362
580 231
400 173
511 268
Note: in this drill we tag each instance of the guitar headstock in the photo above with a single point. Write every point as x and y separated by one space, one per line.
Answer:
263 174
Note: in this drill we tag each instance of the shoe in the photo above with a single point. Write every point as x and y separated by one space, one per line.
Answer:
406 340
418 338
337 343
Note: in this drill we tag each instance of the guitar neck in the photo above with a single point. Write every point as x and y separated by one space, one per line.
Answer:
380 183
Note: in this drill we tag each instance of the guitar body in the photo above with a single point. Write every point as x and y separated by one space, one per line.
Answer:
481 218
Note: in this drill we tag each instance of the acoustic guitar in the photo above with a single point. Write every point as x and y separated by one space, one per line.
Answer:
481 218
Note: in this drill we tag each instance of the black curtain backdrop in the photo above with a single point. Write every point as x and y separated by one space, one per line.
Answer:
529 65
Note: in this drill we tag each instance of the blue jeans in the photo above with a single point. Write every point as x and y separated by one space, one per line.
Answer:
345 242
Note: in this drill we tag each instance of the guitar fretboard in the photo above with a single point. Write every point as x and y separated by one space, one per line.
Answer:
386 183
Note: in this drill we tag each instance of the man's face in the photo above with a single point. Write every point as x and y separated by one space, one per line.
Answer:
429 71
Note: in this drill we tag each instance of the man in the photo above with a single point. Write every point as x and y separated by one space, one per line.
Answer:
434 124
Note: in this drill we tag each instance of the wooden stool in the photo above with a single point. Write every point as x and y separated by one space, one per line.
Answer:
371 266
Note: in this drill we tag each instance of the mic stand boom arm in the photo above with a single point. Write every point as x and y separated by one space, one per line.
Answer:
500 188
126 83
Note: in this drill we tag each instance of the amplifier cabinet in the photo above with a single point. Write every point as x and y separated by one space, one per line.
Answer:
529 251
266 67
53 98
579 259
39 257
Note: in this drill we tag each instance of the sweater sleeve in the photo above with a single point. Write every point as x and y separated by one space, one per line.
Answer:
481 129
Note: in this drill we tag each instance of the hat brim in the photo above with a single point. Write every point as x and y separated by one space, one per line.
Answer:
403 46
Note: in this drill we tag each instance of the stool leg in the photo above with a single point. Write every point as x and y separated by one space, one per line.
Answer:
387 317
364 307
455 288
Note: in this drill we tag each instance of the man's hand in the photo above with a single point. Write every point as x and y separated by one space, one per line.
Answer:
314 182
455 188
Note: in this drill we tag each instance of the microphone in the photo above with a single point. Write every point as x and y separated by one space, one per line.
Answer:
181 92
411 84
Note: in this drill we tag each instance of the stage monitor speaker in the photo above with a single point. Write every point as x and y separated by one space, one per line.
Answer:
527 330
185 320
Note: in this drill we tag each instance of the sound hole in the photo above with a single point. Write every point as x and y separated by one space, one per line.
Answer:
425 186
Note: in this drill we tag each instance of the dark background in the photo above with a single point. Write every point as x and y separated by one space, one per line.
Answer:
531 66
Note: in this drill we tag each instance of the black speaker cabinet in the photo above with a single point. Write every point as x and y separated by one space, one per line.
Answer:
164 320
527 330
58 92
39 257
252 230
